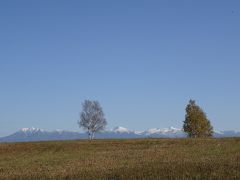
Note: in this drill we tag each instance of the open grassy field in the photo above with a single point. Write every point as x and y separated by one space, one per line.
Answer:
122 159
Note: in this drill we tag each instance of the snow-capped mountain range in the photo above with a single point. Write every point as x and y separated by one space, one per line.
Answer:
36 134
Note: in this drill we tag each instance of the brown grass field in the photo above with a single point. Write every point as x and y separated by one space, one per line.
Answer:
122 159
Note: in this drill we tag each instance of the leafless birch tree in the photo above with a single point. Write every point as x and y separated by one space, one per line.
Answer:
92 118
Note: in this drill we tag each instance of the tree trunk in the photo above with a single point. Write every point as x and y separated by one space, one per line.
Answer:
89 135
92 135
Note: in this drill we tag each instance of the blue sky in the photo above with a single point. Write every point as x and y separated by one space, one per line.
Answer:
142 60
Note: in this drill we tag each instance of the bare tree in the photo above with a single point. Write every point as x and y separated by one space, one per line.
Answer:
92 118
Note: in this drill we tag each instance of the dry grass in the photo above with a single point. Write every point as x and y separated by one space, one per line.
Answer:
122 159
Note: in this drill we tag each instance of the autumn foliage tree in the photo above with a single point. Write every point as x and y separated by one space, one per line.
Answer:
196 124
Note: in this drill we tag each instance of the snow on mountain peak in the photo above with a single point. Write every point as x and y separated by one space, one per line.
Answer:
31 130
171 129
120 130
163 131
153 131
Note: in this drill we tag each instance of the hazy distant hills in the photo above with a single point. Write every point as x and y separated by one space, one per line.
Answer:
36 134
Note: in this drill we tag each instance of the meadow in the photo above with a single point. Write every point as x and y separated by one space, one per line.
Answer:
122 159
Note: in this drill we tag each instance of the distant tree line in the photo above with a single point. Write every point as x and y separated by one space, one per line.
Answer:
196 123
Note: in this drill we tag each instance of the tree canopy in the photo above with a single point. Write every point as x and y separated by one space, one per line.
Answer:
196 123
92 118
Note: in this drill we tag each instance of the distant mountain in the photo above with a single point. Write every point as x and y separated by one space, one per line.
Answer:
227 134
36 134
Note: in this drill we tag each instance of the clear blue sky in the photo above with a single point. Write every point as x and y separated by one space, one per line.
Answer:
142 60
